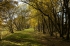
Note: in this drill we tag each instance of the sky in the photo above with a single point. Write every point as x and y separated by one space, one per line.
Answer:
19 2
16 0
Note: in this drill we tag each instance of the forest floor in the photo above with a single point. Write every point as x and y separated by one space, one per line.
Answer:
29 37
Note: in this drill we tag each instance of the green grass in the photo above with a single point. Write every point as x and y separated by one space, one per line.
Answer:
6 44
18 37
25 38
25 31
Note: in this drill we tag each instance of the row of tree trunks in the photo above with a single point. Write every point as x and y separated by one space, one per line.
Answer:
67 14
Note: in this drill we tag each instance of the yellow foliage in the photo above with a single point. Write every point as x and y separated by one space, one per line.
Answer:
33 22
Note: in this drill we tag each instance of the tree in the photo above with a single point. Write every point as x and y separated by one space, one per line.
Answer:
50 9
21 19
8 13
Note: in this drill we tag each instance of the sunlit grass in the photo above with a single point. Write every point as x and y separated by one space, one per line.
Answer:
25 31
6 44
24 37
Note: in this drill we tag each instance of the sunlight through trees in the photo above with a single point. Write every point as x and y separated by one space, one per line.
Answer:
44 16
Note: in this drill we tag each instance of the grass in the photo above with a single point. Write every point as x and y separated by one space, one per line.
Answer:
18 37
23 38
7 44
28 37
